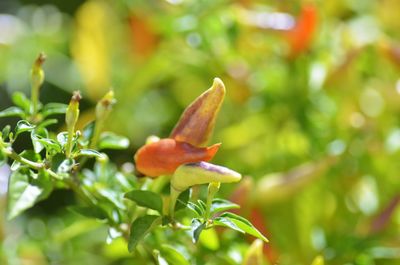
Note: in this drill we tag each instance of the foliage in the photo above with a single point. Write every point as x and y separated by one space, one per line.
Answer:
310 119
61 160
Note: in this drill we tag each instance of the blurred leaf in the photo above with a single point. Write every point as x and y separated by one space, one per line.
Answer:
89 211
114 197
319 260
62 138
140 228
254 255
146 199
11 112
182 200
88 131
21 101
109 140
209 239
197 228
54 108
89 153
173 256
5 132
23 126
21 193
219 205
244 225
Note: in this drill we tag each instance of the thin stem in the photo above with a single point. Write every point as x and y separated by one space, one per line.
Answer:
13 155
34 100
172 201
98 127
213 188
68 147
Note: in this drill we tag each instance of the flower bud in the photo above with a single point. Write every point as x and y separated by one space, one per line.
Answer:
164 156
72 114
104 106
198 120
37 74
254 255
191 174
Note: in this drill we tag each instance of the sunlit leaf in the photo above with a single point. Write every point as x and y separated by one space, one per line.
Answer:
140 228
219 205
244 225
109 140
146 199
173 256
12 112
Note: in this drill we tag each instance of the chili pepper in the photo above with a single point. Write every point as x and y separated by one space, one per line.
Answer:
166 155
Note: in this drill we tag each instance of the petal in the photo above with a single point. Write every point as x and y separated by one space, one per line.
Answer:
198 120
164 156
188 175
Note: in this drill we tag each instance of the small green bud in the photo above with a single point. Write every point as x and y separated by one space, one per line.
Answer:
37 74
191 174
37 78
72 114
104 106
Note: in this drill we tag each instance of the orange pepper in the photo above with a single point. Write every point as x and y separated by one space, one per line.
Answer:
165 156
300 36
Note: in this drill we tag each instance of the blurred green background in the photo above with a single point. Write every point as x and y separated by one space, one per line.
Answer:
311 83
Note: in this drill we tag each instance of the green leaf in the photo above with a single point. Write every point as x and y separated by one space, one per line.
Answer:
197 228
173 256
226 222
54 108
195 208
21 194
21 101
5 132
23 126
244 225
182 200
219 205
89 153
61 165
112 196
37 134
88 131
146 199
140 228
89 211
48 122
3 158
12 112
109 140
62 138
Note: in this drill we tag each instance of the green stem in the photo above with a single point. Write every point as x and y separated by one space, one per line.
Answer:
13 155
68 147
98 127
213 188
34 100
172 201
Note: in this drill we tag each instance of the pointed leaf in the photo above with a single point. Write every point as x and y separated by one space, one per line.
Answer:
226 222
146 199
54 108
109 140
90 212
12 112
140 228
23 126
173 256
197 228
219 205
244 225
20 100
89 153
21 194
